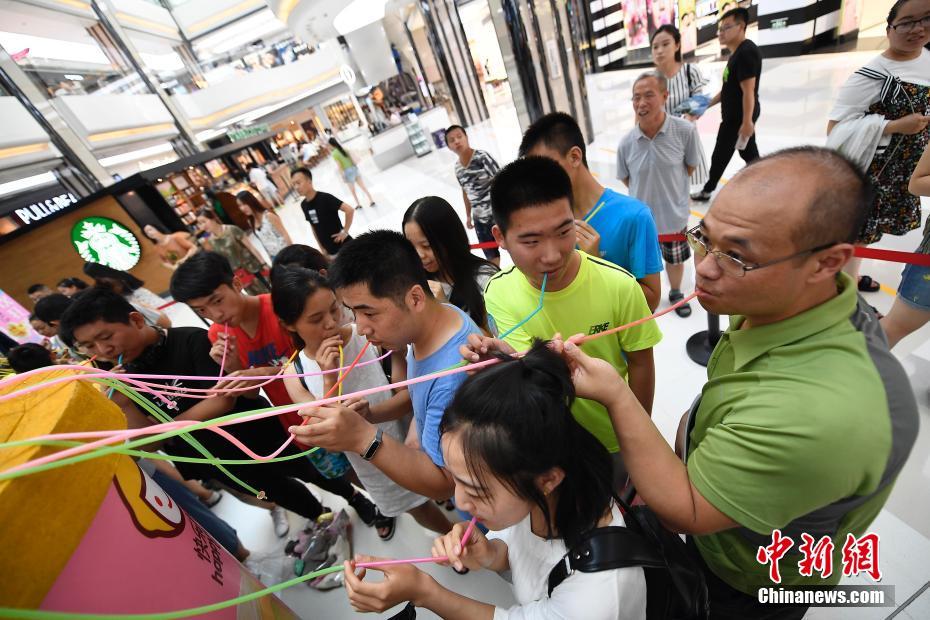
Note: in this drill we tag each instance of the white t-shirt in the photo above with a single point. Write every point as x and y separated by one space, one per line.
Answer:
860 92
618 594
260 178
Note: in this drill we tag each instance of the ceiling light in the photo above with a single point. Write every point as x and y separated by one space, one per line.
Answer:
75 77
122 158
358 14
37 180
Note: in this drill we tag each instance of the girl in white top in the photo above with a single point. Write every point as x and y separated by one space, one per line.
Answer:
685 80
538 480
308 308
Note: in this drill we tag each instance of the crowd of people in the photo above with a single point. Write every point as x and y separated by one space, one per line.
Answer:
538 445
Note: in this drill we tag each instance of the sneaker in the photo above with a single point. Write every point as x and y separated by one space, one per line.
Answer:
701 196
373 205
213 500
357 207
281 524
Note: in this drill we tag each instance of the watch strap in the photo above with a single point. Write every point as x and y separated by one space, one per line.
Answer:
373 446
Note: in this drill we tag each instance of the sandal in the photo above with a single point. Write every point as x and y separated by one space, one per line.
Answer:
867 285
385 526
674 297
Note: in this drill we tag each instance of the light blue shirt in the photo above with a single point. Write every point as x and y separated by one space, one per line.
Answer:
628 233
430 398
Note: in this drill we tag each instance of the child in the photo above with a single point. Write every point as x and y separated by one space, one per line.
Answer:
308 308
538 481
46 320
248 338
474 171
29 356
583 294
381 279
436 231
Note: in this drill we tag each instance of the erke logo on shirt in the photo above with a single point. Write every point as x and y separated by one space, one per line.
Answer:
596 329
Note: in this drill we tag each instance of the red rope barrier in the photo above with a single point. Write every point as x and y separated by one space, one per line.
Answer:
894 256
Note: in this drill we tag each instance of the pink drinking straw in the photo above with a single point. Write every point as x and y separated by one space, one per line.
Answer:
225 347
116 436
465 536
96 373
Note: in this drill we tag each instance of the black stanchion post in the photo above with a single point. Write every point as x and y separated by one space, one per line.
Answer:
701 344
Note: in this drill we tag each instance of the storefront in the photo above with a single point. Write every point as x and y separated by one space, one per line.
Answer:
50 233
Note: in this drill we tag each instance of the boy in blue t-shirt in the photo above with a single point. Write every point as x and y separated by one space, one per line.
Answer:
610 225
380 278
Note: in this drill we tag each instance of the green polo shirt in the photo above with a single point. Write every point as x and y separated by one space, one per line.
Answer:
794 417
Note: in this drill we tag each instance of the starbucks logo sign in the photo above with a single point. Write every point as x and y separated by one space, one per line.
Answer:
105 241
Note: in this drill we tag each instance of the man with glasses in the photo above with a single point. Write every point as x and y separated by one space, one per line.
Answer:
806 418
738 99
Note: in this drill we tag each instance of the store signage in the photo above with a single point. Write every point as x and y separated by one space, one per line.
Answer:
105 241
247 132
41 209
348 75
14 321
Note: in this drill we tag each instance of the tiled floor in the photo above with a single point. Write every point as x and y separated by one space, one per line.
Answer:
796 95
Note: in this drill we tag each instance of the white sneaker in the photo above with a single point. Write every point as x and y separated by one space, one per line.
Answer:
281 524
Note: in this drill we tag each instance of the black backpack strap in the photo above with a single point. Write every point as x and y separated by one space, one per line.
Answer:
688 75
606 548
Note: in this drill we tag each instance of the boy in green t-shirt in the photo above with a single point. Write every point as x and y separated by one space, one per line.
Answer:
531 199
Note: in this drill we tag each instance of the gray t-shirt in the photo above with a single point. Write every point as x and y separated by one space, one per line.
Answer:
657 170
476 179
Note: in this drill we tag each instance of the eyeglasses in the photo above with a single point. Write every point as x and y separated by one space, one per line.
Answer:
910 26
731 265
725 28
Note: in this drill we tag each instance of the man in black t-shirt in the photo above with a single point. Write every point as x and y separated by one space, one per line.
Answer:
322 211
738 99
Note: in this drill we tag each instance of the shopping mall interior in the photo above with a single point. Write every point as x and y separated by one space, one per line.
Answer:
143 113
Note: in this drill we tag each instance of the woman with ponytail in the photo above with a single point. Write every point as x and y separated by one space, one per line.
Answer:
539 481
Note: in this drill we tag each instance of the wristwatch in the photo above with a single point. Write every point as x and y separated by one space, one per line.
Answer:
373 446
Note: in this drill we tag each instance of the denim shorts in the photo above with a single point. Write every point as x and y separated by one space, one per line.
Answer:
914 289
351 174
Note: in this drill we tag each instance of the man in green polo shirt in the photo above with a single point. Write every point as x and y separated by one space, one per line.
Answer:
806 418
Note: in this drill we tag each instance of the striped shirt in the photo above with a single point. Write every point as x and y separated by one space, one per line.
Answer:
680 88
475 179
657 169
